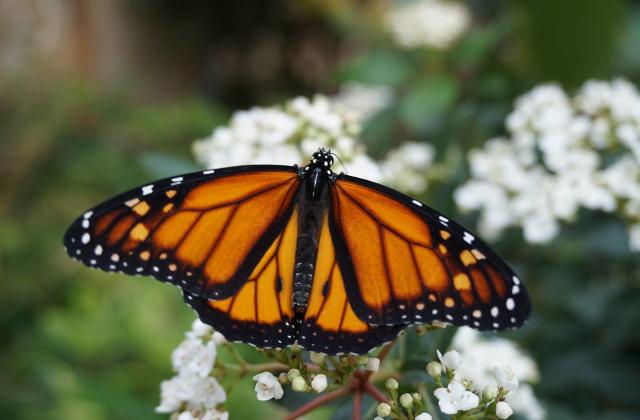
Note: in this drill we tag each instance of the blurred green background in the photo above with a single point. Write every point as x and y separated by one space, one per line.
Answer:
99 96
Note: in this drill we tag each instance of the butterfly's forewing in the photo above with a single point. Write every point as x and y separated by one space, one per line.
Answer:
330 324
260 313
405 263
205 231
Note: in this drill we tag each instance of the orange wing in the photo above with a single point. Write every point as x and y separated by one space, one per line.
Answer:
205 232
404 263
260 313
330 325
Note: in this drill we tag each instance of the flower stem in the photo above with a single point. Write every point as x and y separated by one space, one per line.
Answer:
356 413
311 405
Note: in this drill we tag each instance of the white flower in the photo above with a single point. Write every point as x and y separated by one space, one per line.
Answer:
431 23
523 401
373 364
506 378
503 410
194 356
455 398
405 167
561 154
367 100
215 415
212 414
481 356
199 329
290 133
172 394
218 338
423 416
207 392
451 359
319 383
267 387
186 415
192 390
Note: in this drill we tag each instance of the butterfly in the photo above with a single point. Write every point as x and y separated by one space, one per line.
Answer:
274 255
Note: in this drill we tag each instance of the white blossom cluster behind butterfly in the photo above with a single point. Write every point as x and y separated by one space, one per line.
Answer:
561 153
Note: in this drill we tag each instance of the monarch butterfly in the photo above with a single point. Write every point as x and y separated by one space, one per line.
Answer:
273 255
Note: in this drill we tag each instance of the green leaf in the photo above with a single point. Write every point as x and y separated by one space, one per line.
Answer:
424 106
377 67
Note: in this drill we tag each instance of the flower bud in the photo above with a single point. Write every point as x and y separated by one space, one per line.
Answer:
283 378
439 324
319 383
451 359
292 374
423 416
416 397
383 409
362 359
434 369
373 364
503 410
490 392
317 358
391 384
298 384
406 400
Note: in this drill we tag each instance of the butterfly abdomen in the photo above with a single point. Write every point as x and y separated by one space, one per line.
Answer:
312 203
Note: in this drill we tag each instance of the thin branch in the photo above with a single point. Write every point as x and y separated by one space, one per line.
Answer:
356 414
375 392
311 405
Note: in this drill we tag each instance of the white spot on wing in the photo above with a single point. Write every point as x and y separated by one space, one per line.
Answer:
85 238
208 172
516 280
177 179
147 189
85 223
510 304
515 290
417 203
468 238
494 312
98 250
87 214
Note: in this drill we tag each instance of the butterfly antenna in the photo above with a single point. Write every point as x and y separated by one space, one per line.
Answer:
341 162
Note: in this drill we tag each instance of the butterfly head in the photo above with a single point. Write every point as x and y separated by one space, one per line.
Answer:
323 159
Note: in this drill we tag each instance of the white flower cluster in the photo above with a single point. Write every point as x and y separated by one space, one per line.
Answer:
192 393
562 153
363 98
292 133
516 370
431 23
462 392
